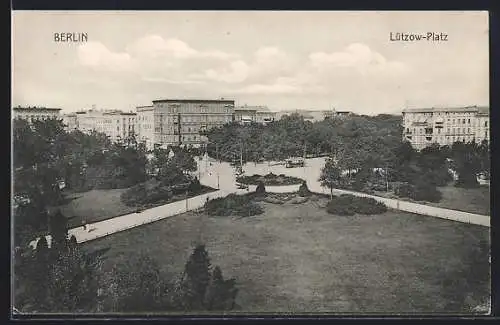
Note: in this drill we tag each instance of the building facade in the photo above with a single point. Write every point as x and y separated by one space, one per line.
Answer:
308 115
117 125
253 114
425 126
70 121
145 125
182 121
35 113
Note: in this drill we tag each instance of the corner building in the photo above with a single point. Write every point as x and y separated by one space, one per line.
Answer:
445 126
180 121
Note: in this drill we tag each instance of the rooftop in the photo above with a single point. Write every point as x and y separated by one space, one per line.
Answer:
479 109
222 100
35 108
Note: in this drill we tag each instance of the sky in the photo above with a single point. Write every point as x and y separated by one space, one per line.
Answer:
284 60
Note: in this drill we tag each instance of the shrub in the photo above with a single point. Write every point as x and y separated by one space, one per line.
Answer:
426 192
405 190
304 190
261 189
269 180
422 191
439 177
140 194
349 205
240 205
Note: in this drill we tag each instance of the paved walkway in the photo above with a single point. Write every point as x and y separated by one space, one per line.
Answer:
221 175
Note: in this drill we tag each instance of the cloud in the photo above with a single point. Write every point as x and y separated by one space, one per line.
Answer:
157 46
359 57
236 72
95 54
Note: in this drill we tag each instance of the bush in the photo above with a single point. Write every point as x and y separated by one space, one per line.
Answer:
140 194
422 191
348 205
304 190
240 205
426 192
269 180
439 177
261 189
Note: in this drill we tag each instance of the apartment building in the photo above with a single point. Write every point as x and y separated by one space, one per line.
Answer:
424 126
33 113
253 114
70 121
182 121
117 125
308 115
145 125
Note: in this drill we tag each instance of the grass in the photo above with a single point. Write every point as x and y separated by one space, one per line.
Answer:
473 200
98 205
297 258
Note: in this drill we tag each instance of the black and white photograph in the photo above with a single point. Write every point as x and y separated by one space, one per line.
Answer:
250 163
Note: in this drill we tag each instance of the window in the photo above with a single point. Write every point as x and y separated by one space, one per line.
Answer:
463 121
485 124
468 121
468 130
439 130
453 122
448 119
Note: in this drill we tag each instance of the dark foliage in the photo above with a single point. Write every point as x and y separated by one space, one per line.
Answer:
239 205
261 189
269 180
348 205
304 190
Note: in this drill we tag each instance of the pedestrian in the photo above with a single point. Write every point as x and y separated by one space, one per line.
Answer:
84 225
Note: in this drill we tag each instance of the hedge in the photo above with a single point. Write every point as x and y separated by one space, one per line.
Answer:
269 180
240 205
348 205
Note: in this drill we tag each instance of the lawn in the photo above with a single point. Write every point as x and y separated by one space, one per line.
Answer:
473 200
297 258
98 205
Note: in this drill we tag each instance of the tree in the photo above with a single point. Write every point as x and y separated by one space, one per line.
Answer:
221 294
137 287
330 176
58 228
195 279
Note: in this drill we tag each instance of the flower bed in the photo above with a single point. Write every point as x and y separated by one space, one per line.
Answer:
269 180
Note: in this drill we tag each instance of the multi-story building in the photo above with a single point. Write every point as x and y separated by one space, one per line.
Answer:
70 121
181 121
308 115
117 125
337 114
145 125
253 114
444 126
35 113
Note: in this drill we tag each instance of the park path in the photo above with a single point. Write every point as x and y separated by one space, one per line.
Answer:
221 176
